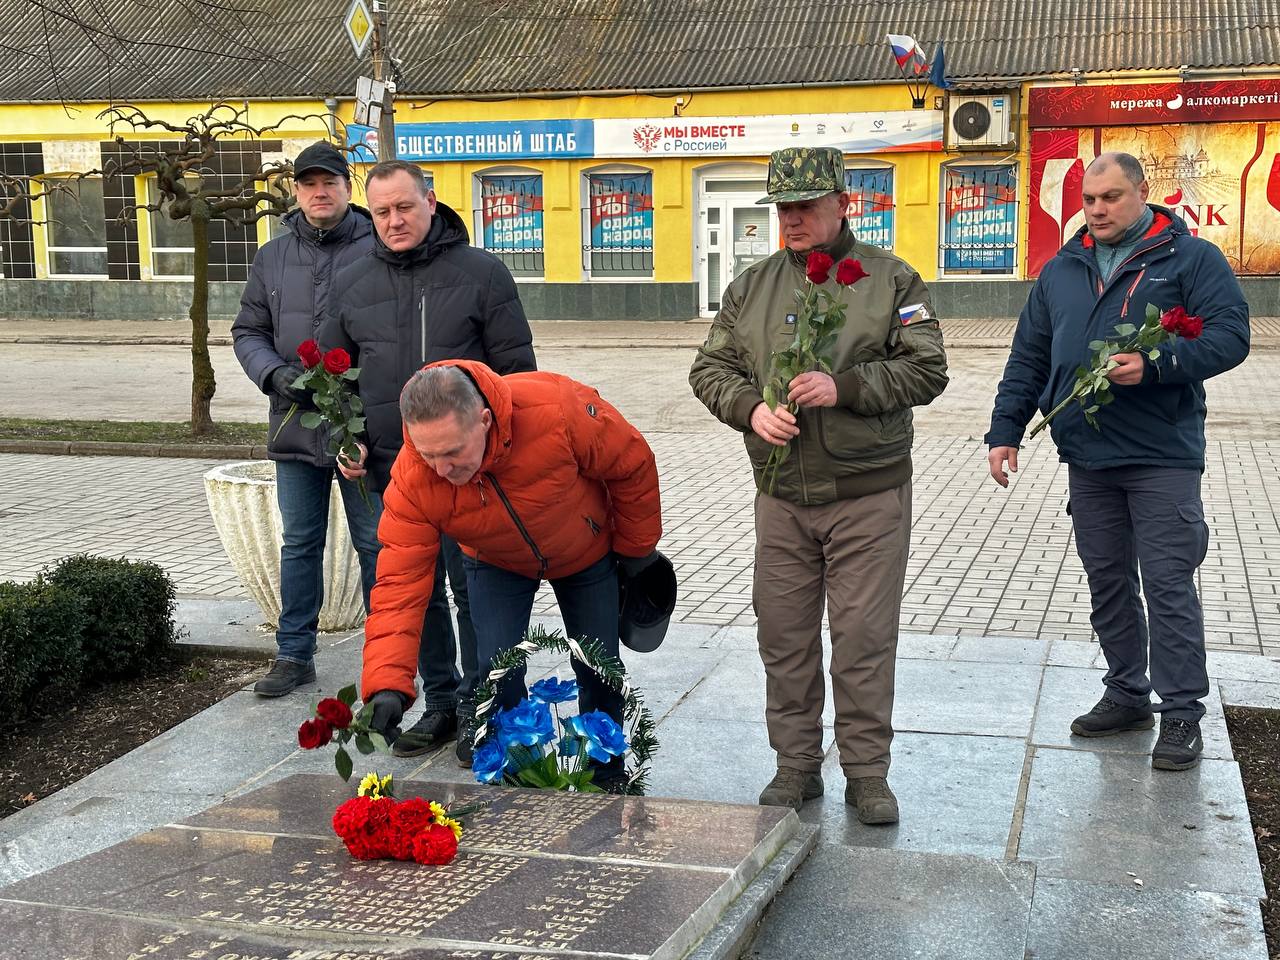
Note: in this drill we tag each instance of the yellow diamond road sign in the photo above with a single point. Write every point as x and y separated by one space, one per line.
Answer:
359 25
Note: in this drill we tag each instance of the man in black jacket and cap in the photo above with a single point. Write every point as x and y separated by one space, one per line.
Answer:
424 294
283 304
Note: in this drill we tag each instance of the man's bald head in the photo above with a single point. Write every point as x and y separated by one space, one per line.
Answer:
1127 163
1114 195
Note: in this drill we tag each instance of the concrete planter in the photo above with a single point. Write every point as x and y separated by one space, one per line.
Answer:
242 500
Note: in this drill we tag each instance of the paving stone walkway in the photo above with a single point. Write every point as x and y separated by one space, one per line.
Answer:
984 562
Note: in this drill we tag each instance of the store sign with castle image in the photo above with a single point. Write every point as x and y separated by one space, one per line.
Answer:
1222 178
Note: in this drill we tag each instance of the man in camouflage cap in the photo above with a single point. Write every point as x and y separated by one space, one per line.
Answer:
837 524
804 173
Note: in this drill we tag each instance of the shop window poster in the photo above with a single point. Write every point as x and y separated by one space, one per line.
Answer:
621 211
980 218
870 212
511 212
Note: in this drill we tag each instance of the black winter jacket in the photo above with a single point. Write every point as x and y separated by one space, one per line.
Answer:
1160 421
397 312
284 303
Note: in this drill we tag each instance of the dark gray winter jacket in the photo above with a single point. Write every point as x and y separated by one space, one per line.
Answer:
396 312
284 303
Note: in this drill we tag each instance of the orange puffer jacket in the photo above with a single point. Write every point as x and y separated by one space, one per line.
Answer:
565 479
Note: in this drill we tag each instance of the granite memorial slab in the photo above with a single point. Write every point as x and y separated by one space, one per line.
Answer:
536 871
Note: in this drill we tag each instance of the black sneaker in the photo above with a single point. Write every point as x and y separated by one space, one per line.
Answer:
283 677
464 748
435 727
1179 744
1108 717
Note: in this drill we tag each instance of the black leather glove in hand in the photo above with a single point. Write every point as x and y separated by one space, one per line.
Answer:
388 709
630 566
282 383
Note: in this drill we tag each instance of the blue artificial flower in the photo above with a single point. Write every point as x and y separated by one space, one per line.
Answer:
554 690
528 724
604 737
490 760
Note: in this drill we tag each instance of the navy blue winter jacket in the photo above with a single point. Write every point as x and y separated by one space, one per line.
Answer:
1160 421
284 303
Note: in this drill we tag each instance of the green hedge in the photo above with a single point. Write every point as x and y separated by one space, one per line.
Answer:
82 619
41 653
131 612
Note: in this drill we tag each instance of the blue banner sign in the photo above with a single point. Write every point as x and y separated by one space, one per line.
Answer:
489 140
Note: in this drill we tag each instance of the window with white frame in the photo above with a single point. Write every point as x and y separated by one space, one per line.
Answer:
76 228
978 220
172 254
509 220
617 223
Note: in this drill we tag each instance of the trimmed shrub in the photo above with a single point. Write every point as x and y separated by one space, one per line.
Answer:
130 606
41 658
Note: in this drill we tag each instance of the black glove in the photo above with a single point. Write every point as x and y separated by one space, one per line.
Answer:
632 566
388 709
282 383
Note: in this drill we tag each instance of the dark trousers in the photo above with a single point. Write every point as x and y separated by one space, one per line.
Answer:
1143 528
443 687
302 492
588 605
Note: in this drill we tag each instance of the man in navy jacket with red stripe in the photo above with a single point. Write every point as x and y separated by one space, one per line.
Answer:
1135 481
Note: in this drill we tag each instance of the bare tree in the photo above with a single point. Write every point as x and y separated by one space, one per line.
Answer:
186 190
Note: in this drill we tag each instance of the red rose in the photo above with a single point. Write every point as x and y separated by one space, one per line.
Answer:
309 353
334 712
850 272
409 819
435 845
1173 319
314 733
337 361
818 267
1192 327
364 824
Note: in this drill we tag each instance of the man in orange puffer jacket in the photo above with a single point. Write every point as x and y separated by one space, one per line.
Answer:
537 478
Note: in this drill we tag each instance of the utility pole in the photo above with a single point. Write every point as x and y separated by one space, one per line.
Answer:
384 73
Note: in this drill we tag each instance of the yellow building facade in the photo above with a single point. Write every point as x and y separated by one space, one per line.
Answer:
630 205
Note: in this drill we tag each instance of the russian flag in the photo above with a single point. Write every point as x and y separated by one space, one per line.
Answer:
904 48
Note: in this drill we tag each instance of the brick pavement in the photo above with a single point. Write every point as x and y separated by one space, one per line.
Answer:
984 562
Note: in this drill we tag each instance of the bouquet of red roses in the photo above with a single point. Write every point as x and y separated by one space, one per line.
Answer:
819 324
373 824
333 719
326 375
376 826
1092 389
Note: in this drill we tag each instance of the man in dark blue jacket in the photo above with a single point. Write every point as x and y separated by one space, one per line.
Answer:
1135 481
283 304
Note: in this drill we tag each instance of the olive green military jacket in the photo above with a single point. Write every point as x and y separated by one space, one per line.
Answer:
882 367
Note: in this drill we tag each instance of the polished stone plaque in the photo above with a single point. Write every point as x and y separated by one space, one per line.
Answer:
538 873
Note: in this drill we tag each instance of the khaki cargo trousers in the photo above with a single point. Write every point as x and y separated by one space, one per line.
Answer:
852 554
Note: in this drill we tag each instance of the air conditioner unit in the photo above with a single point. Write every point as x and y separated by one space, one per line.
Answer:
980 121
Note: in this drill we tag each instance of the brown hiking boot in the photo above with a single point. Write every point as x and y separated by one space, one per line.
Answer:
873 798
791 788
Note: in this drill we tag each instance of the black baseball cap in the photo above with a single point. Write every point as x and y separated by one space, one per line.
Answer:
321 155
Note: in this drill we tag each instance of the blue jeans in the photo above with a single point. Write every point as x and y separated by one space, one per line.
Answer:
1141 534
588 605
443 688
302 491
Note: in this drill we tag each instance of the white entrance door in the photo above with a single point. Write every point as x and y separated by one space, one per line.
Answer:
734 233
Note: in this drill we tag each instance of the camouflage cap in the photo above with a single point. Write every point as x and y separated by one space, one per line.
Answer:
804 173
